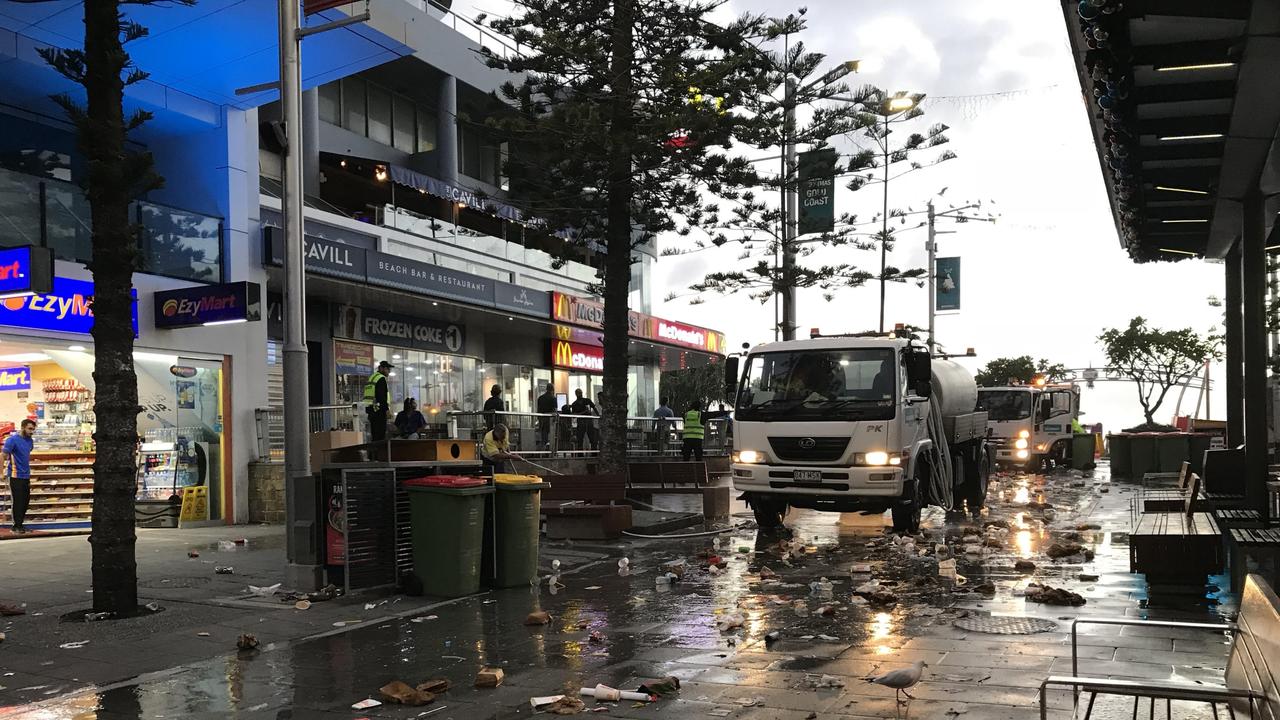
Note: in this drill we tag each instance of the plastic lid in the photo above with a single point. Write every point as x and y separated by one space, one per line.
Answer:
446 481
513 479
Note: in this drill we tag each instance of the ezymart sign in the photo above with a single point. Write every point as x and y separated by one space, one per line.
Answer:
575 356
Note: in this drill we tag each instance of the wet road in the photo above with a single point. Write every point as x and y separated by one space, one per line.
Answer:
751 640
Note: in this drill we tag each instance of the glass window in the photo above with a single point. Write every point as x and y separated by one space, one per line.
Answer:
1004 405
403 125
379 115
426 130
180 244
819 385
353 101
330 102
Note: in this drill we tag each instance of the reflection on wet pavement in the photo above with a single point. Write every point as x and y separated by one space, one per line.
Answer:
762 637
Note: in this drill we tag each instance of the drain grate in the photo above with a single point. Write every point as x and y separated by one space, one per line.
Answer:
1006 625
177 582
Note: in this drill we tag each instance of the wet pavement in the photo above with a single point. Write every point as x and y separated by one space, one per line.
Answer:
764 637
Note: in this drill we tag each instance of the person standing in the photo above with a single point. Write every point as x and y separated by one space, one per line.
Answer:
377 401
546 407
582 405
16 456
693 433
493 406
664 414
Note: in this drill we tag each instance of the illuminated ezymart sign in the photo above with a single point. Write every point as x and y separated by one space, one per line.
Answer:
575 356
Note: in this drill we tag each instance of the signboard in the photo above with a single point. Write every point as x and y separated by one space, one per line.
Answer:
384 328
311 7
817 190
404 274
453 193
25 271
521 300
581 311
692 336
323 257
68 308
208 305
353 358
947 283
575 356
15 378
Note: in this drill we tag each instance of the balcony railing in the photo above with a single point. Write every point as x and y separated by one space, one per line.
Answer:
51 213
320 418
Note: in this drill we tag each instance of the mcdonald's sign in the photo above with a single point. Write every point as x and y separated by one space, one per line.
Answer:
575 356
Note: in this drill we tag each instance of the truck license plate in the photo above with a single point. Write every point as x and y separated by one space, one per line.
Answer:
808 476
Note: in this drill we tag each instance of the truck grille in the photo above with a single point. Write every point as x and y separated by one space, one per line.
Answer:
824 449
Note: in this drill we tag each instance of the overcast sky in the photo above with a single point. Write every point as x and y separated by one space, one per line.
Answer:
1050 274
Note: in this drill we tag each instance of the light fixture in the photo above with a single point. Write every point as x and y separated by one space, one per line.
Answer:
1184 221
342 163
510 318
1201 136
25 357
391 374
380 173
434 304
1201 66
1178 252
76 348
902 102
155 357
6 296
395 357
214 323
1182 190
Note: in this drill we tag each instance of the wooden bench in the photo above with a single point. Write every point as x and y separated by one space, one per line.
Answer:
646 479
1251 684
1180 548
1258 544
1165 499
589 507
1224 476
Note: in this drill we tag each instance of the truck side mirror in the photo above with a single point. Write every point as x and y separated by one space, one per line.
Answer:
920 372
731 377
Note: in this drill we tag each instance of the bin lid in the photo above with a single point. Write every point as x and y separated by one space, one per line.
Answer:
445 481
513 479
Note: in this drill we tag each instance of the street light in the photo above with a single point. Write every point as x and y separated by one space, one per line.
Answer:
900 102
791 193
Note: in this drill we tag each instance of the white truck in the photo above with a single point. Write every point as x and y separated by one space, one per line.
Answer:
1031 423
855 423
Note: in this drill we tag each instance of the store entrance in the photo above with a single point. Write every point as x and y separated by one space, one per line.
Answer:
181 428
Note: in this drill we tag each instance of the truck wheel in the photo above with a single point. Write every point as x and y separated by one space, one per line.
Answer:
977 473
906 513
768 511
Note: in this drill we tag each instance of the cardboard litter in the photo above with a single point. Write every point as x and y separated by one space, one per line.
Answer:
402 693
489 677
540 617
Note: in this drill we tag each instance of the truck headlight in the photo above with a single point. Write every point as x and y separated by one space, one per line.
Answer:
1024 434
877 457
1020 444
750 457
1042 447
1022 454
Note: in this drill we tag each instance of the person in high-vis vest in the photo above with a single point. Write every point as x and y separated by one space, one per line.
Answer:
694 432
377 401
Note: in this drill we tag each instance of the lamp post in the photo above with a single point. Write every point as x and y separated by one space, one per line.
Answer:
790 191
899 103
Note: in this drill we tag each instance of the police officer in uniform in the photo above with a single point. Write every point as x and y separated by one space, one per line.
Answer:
377 401
694 432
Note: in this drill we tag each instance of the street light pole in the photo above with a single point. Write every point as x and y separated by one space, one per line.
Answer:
790 199
303 569
884 223
932 247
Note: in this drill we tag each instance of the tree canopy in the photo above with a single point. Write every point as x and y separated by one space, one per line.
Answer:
1157 360
1021 370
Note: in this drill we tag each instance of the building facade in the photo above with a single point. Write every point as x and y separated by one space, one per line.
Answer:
413 253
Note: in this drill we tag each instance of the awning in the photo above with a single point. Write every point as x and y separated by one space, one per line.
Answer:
454 193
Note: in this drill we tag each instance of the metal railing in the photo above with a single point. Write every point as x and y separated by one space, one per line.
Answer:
499 45
320 418
561 434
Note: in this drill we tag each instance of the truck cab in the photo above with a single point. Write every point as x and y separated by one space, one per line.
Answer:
1030 423
841 424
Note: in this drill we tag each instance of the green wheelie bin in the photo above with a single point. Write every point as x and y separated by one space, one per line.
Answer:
1118 449
446 516
517 516
1082 446
1142 455
1173 449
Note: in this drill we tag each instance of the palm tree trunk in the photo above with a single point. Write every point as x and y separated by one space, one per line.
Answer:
114 254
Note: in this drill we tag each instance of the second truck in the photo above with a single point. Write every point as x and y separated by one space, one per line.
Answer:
1031 424
856 423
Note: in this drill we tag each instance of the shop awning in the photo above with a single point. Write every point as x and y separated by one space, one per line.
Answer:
454 193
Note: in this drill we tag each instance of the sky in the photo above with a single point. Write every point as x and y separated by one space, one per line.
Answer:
1050 274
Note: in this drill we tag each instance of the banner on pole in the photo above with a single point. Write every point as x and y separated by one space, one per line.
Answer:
946 276
817 190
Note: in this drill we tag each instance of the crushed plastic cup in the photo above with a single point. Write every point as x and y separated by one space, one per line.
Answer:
555 566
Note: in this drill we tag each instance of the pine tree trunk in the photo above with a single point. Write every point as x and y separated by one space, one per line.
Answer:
114 252
617 270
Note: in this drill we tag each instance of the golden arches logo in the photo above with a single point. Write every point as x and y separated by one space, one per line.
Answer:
562 306
561 353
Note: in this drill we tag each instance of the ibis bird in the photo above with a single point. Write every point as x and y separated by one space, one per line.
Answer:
901 680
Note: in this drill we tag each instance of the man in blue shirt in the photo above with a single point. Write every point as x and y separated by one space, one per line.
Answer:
16 456
662 428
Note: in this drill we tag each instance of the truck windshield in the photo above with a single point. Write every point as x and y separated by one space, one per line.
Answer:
1002 405
819 385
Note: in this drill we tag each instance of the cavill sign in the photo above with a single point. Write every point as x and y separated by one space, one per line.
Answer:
208 305
574 356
